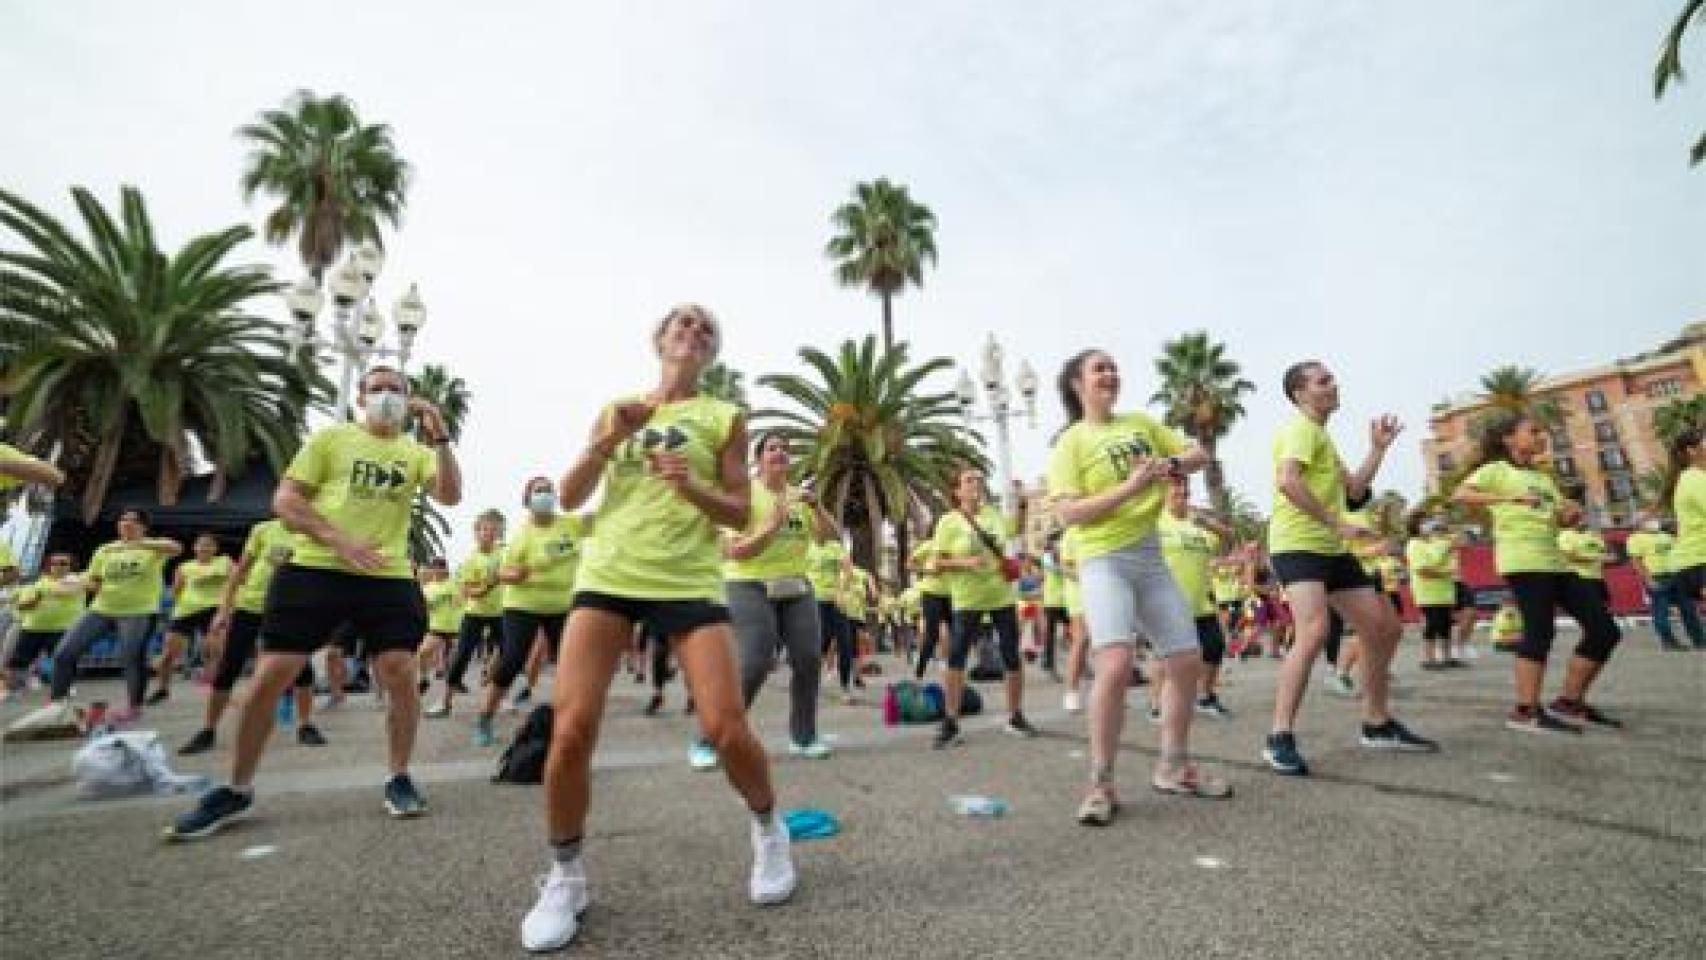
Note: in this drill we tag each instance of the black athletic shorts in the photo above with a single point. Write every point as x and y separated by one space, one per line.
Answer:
193 624
1335 572
305 606
1464 597
666 618
1690 583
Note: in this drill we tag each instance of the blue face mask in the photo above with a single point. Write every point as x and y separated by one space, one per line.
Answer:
542 501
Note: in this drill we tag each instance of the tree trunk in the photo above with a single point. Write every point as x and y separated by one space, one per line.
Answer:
888 321
1214 475
874 523
100 477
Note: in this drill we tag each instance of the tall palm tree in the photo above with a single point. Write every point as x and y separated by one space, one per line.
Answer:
335 178
879 446
451 396
1510 387
127 356
1202 395
1669 66
884 239
725 383
1248 523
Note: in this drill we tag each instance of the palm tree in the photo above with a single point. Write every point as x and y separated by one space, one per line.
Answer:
883 243
1669 66
725 383
450 395
1387 511
334 177
126 357
1248 523
878 446
1670 420
1202 393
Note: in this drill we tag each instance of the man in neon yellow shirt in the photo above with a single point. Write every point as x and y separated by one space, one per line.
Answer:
1688 501
1650 551
348 496
196 587
482 610
1310 542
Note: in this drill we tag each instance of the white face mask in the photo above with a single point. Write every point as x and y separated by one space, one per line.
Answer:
542 501
1651 526
386 408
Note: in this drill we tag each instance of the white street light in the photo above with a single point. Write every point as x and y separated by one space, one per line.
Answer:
368 260
999 398
360 326
966 391
348 286
370 327
304 301
410 312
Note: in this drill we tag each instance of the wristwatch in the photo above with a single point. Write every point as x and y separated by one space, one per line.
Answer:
1173 467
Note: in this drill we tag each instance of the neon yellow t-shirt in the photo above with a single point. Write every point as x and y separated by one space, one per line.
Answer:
1188 550
204 583
929 581
132 580
8 559
1433 570
444 606
550 554
268 547
1654 548
786 553
907 604
855 594
1054 585
823 567
1090 458
1689 504
1507 625
652 544
1584 543
365 486
1525 539
57 606
983 589
1290 529
11 454
480 571
1229 584
1390 570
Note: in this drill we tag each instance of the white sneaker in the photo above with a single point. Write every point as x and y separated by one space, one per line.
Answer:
552 922
701 756
773 876
1072 701
1341 685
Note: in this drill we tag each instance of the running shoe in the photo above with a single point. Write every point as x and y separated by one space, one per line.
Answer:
1072 701
1393 735
436 712
402 800
1018 726
555 917
1536 720
654 705
522 698
158 697
1097 810
773 878
310 736
813 749
423 685
483 736
1582 714
1341 684
215 809
947 735
1434 664
200 743
1281 753
700 756
1210 706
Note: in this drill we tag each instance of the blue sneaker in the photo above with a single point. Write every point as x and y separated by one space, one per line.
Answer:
215 809
700 756
1281 754
483 736
402 800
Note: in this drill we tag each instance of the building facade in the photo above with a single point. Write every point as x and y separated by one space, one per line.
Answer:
1604 441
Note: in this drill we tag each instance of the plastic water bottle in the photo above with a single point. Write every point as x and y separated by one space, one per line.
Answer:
972 806
287 709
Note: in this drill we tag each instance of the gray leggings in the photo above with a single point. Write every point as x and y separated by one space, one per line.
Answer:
763 625
132 633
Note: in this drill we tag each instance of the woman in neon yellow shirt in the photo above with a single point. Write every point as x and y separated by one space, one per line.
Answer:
1432 556
1527 512
673 467
1108 473
197 585
46 609
1688 501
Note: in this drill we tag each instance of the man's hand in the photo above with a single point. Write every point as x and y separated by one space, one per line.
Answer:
672 469
1383 430
625 418
360 554
429 423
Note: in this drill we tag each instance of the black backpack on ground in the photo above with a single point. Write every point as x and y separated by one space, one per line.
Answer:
523 761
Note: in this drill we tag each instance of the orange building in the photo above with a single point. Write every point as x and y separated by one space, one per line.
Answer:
1605 441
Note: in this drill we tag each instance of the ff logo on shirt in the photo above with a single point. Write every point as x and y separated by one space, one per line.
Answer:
371 480
122 567
1123 454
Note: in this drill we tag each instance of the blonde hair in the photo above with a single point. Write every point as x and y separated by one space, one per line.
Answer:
702 313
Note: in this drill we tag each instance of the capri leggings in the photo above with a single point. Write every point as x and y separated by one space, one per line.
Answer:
837 635
1436 622
938 614
1212 639
477 633
520 627
968 626
1539 596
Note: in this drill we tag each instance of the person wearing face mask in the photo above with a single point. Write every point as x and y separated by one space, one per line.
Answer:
1432 555
348 498
127 578
482 611
1527 512
538 575
770 595
1649 550
672 463
196 587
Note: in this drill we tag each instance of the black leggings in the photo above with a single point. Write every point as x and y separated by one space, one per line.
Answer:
1212 639
239 649
938 613
477 633
1539 596
520 627
1436 622
1335 636
837 634
1055 624
968 626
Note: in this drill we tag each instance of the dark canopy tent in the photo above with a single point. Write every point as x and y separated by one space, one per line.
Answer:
247 501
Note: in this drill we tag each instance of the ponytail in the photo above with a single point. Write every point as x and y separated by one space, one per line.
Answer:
1071 371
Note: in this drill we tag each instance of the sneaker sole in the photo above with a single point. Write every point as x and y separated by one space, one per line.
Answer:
1282 769
1534 728
398 813
171 834
1396 746
774 899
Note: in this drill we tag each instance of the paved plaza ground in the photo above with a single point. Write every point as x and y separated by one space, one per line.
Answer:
1505 845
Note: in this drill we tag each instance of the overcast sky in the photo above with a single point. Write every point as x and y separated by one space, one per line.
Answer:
1413 192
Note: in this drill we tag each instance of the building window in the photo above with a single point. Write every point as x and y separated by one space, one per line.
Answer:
1447 463
1620 487
1596 401
1668 387
1566 466
1560 437
1604 431
1611 458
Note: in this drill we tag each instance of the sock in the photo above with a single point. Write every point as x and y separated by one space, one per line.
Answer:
765 818
565 852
